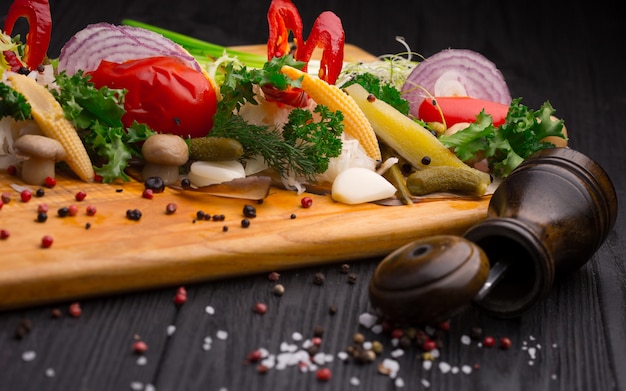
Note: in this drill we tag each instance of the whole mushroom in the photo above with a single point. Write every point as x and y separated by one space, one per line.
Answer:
40 155
164 154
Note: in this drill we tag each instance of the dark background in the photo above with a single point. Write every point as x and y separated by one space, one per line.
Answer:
570 53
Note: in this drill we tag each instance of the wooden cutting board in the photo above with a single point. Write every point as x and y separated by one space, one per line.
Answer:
108 253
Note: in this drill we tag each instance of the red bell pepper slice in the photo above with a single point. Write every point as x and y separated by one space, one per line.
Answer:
457 109
327 33
37 13
283 18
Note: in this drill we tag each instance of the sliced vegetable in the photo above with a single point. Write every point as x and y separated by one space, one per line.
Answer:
105 41
209 173
455 72
37 13
458 109
405 136
162 93
327 33
357 185
355 122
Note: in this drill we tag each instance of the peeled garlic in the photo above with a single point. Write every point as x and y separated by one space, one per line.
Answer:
205 173
357 185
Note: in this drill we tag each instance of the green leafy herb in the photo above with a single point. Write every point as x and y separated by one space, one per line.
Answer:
506 146
97 113
13 104
381 90
303 148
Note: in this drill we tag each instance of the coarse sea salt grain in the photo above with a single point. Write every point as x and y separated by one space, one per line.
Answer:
392 365
171 329
354 381
29 355
367 320
466 369
425 383
222 335
377 329
142 360
444 367
397 353
209 310
149 387
50 372
427 365
296 336
466 340
399 383
136 385
343 356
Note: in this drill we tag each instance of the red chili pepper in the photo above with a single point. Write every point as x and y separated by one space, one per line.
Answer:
327 33
457 109
37 13
162 93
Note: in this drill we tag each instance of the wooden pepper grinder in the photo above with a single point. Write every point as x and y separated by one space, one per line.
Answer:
546 219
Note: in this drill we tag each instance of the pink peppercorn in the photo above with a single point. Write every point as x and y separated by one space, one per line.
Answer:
26 195
255 356
489 342
260 308
323 374
12 170
140 347
4 234
181 296
72 210
79 196
397 333
50 182
91 210
429 345
75 310
148 194
306 202
42 208
505 343
46 241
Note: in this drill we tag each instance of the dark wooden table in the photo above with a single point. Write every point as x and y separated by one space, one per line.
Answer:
573 339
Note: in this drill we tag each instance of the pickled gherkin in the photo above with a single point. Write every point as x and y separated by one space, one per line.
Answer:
468 181
214 148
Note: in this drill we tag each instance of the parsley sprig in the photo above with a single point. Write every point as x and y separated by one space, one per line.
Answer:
306 143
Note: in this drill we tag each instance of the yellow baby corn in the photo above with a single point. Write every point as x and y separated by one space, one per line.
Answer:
355 122
48 114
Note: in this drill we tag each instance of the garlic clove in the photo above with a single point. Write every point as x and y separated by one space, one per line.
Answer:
357 185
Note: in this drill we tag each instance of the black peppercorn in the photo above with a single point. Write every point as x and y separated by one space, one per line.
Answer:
249 211
155 184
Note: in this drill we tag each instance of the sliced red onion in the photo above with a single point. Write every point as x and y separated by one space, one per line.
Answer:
104 41
451 72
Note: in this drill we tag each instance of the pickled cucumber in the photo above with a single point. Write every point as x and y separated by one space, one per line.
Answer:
467 181
214 149
405 136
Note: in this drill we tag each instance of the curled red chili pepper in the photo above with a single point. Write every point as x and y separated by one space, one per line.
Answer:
37 13
327 33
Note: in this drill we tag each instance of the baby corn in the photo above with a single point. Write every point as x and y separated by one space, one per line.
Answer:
48 114
355 122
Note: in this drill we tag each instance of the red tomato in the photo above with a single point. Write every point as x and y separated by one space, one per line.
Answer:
457 109
162 93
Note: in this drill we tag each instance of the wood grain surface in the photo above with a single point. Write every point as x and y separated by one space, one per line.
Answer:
109 253
572 339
